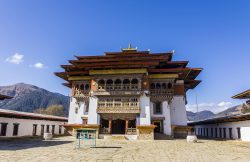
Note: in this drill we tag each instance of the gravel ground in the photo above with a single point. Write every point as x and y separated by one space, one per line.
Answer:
62 149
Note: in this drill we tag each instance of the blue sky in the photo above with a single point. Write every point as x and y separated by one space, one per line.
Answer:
38 36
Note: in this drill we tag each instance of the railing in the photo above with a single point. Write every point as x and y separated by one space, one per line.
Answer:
118 109
115 87
120 104
131 130
105 130
161 91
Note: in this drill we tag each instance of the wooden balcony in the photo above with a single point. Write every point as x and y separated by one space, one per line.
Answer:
161 91
118 109
115 87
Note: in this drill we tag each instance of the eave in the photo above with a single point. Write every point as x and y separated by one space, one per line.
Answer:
243 95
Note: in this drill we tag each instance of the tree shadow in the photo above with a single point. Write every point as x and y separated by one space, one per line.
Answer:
161 136
26 143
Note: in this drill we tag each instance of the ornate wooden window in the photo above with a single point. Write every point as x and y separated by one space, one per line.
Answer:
101 84
164 86
87 86
170 85
118 84
126 84
134 84
82 87
152 86
158 86
157 108
109 84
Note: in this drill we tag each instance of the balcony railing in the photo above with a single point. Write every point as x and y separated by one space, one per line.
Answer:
105 130
125 87
161 91
117 104
112 109
131 130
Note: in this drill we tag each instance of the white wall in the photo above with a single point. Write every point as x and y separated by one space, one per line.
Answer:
166 114
93 117
245 134
26 126
76 118
178 111
144 118
227 125
167 122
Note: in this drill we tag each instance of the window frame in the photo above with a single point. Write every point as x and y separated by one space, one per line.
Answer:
5 131
15 129
155 108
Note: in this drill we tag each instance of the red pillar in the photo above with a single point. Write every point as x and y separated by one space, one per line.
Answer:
110 126
126 126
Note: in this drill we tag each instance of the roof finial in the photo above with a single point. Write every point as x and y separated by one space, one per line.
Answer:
129 49
129 46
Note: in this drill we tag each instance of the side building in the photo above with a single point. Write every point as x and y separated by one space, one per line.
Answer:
227 127
19 124
129 92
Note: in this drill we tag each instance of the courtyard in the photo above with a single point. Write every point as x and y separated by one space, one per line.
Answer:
62 149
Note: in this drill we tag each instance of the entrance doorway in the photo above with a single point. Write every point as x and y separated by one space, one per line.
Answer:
118 126
158 128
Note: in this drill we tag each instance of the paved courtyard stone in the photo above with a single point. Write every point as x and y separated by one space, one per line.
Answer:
62 149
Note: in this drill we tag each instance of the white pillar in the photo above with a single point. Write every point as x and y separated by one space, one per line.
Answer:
93 117
167 122
144 118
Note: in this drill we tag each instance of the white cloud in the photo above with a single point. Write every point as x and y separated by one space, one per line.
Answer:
38 65
224 104
214 107
15 59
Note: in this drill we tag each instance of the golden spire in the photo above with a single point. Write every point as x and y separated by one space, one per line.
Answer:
129 49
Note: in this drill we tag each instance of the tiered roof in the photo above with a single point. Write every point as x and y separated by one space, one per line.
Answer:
130 58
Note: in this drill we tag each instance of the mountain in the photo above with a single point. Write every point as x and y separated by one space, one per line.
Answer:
230 111
206 114
28 98
199 115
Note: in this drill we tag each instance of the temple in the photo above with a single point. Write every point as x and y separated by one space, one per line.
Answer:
129 92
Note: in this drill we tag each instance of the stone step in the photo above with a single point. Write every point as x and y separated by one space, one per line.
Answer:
117 137
131 137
